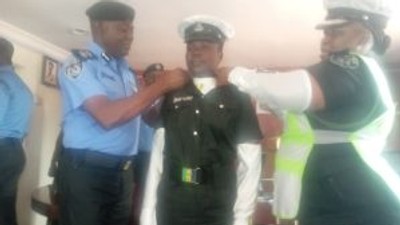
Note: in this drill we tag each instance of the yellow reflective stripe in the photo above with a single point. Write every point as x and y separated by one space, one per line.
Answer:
294 134
288 165
298 139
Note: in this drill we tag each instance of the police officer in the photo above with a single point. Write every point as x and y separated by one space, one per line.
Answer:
206 161
338 114
16 105
101 120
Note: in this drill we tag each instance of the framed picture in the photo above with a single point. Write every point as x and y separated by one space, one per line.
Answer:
49 72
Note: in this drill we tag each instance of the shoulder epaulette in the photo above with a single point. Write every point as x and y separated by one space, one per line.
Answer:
83 54
346 60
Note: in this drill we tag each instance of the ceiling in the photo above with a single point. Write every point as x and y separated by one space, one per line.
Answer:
269 33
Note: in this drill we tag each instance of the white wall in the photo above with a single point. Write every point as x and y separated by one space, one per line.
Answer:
39 144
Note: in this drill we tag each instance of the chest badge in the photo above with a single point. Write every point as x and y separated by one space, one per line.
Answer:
74 70
182 99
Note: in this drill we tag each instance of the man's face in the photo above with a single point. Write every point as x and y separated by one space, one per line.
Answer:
203 57
341 38
115 36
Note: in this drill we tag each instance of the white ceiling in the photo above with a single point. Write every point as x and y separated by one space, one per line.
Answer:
269 33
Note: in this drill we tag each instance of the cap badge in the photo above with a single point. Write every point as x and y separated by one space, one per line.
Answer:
199 27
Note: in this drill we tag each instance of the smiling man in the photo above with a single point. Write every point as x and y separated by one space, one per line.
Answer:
206 162
101 121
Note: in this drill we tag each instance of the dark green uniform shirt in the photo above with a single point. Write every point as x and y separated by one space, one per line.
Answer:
203 131
336 181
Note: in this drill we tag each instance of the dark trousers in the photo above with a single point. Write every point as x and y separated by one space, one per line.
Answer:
141 163
12 161
91 194
204 204
340 189
142 160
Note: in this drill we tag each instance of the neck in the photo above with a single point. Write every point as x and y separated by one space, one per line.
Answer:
202 74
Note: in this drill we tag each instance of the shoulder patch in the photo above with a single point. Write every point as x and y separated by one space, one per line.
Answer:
83 54
346 61
74 70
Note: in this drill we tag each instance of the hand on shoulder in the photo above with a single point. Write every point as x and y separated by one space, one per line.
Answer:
173 79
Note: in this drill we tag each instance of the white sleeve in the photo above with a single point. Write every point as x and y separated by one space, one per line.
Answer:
248 175
280 91
148 212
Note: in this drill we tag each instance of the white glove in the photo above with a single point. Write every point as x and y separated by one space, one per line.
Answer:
280 91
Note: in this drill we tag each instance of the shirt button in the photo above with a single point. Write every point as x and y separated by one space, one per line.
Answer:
221 106
176 107
197 111
195 133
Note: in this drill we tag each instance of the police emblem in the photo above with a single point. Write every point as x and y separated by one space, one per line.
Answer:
74 70
347 61
199 27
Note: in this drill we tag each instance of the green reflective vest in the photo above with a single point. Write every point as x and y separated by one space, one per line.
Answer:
299 137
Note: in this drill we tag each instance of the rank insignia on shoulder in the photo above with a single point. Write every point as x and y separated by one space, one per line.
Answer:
105 56
82 54
74 70
347 61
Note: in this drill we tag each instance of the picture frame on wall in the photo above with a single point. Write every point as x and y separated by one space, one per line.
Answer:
50 71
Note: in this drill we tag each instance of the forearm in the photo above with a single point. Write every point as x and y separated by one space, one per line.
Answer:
4 101
113 113
291 91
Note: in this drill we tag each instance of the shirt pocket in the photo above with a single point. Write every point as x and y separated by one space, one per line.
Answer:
222 115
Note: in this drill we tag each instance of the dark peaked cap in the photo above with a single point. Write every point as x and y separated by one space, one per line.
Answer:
110 11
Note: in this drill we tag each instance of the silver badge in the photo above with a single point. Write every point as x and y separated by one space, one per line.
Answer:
199 27
74 70
346 61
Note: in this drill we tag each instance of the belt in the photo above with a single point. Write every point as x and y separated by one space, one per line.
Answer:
9 141
87 157
196 175
188 175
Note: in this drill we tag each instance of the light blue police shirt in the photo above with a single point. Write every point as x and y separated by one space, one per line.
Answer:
92 73
16 104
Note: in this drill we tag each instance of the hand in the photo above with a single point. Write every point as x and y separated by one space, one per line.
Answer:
222 75
173 79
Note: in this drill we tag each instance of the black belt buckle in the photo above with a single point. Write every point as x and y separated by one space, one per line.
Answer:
192 176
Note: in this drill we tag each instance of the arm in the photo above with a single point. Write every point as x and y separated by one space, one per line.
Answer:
148 213
4 100
112 113
248 173
294 91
